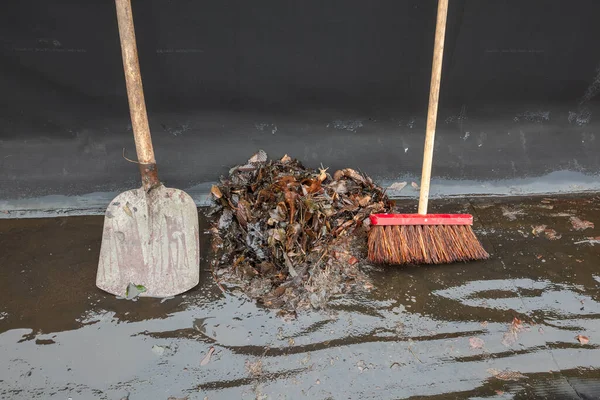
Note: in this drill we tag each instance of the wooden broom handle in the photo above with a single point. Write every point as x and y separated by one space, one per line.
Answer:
434 94
135 94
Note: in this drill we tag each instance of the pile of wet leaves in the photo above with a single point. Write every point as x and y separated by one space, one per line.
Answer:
292 237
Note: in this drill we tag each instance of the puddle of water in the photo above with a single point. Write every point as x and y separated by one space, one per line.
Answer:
61 337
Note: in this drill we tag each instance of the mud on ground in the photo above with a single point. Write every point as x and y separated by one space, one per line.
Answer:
523 324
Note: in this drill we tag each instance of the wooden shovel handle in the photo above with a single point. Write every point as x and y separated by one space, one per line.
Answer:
434 92
135 94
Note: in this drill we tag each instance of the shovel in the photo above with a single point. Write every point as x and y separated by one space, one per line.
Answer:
150 243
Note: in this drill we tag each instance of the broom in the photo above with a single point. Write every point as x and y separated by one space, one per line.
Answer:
425 238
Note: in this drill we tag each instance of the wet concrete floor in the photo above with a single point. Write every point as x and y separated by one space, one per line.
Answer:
440 332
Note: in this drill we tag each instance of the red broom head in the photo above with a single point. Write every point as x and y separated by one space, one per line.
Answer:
423 239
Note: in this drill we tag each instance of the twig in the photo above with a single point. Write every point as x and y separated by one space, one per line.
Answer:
217 282
131 161
590 241
411 352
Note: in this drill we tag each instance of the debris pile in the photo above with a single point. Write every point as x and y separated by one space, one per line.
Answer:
291 237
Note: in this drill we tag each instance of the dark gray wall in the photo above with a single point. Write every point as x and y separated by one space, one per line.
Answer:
345 83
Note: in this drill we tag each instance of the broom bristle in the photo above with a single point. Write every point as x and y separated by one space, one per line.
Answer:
423 244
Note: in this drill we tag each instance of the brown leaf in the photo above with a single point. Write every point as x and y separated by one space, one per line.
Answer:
583 339
216 191
476 343
352 260
580 225
206 358
337 175
285 159
312 185
364 201
243 213
339 187
259 157
290 199
538 229
279 214
352 174
506 375
511 336
516 324
551 234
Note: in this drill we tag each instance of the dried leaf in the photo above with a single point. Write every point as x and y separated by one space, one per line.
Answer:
314 186
255 368
512 334
243 213
281 222
278 214
127 209
216 191
551 234
337 175
397 186
366 200
352 174
259 157
290 266
290 199
516 324
206 358
580 225
511 214
538 229
583 339
506 375
322 174
476 343
415 185
339 187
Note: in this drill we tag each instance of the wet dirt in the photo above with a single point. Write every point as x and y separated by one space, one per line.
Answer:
423 332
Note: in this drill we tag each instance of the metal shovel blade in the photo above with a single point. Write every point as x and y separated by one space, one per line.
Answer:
150 239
